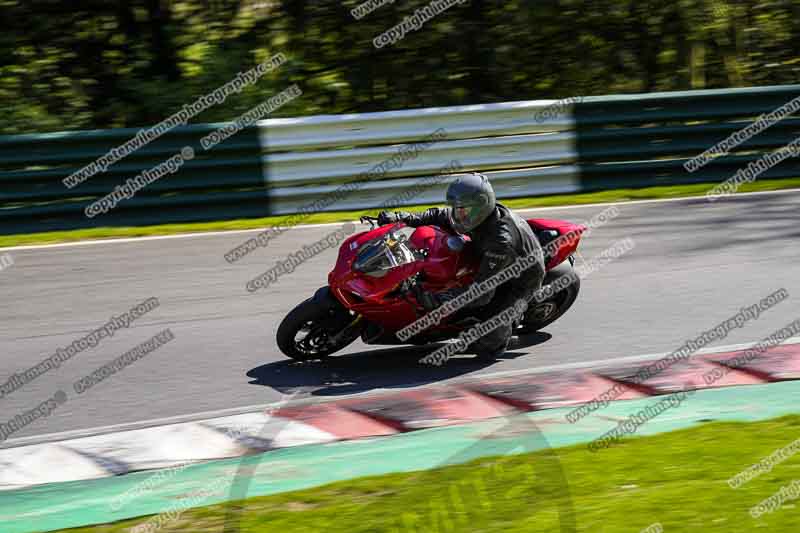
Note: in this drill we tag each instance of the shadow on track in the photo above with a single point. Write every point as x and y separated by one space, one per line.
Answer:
388 368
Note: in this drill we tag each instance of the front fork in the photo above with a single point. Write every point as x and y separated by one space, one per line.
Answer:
349 329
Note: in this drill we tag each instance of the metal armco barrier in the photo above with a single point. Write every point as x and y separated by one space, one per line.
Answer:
284 166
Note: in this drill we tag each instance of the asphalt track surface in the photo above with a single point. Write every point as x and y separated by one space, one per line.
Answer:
694 264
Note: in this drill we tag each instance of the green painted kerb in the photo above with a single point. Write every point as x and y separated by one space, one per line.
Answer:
82 503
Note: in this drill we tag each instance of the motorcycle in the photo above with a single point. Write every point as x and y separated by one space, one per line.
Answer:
373 289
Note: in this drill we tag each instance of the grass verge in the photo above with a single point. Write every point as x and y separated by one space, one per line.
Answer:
677 479
618 195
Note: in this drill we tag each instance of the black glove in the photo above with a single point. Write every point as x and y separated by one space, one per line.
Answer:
385 217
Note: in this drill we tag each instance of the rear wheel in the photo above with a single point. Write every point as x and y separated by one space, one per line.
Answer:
542 314
316 328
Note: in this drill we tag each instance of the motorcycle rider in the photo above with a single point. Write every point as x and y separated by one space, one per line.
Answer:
499 237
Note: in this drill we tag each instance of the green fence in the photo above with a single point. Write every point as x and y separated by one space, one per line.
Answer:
644 140
290 165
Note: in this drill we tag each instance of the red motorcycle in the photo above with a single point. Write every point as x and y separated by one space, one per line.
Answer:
371 292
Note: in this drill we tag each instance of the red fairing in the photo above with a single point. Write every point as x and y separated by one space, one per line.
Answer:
569 235
373 297
347 251
378 298
443 267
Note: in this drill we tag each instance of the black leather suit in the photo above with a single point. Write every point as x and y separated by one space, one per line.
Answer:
499 240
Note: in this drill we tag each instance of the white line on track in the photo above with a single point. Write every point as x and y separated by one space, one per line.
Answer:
209 415
257 230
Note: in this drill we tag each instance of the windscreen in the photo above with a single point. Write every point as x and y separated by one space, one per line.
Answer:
378 256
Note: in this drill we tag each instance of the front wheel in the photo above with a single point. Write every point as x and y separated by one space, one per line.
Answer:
559 290
317 328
